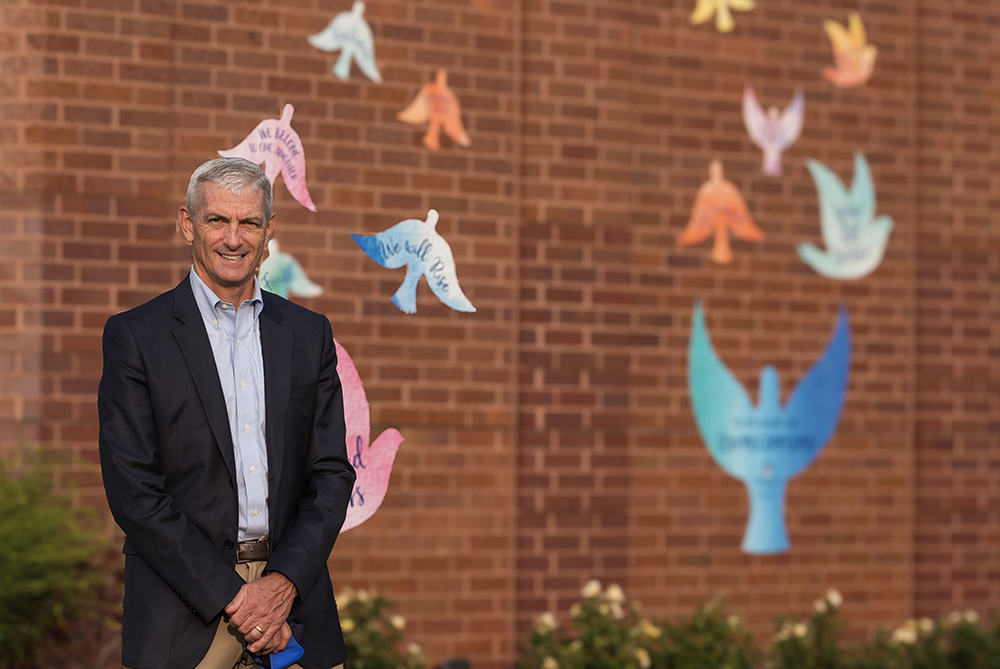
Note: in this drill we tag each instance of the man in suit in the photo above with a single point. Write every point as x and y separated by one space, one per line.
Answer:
222 449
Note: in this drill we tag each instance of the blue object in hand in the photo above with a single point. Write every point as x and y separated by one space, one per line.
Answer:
283 658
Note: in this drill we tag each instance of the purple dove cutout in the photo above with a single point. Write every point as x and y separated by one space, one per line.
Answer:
771 131
372 463
275 143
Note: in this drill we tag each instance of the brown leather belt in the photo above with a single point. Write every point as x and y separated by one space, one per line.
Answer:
253 551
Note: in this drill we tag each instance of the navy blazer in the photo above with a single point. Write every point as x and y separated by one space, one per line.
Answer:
169 473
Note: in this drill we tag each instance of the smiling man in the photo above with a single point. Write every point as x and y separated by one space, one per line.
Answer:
223 453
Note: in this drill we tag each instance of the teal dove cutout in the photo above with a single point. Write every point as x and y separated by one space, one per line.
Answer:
282 274
855 239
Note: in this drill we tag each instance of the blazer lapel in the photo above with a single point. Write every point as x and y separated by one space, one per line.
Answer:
193 340
276 346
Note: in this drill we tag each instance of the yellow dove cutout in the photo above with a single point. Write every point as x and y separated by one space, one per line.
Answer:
853 57
721 9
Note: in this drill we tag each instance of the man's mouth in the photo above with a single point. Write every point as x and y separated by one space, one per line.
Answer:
232 257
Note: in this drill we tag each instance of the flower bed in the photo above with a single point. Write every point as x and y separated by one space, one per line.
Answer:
606 631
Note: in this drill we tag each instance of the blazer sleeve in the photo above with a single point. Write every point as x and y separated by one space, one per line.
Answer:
302 552
166 540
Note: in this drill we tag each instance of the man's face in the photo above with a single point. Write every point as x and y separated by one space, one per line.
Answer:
227 237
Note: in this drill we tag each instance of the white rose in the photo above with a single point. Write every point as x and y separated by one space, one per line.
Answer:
970 616
820 605
834 598
954 617
550 663
926 625
904 635
734 621
643 657
592 589
614 593
575 610
414 649
800 630
616 611
347 624
649 629
546 622
399 622
363 596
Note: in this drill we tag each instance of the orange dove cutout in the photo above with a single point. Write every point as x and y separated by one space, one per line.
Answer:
719 208
853 56
437 106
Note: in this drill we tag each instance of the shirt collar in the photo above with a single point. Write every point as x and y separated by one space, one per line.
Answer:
208 301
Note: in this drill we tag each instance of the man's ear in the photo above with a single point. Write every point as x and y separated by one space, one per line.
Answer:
269 230
185 224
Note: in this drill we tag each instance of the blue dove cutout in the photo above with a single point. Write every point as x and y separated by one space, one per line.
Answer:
281 274
350 33
766 445
855 240
417 244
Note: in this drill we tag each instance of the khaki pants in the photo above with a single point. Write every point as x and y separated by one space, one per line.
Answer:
227 647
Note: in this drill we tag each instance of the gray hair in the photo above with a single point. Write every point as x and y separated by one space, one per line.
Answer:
233 174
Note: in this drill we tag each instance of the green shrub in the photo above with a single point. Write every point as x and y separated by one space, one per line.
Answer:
45 563
374 638
609 633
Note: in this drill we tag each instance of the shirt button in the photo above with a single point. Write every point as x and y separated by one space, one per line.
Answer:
253 469
255 512
237 342
225 307
243 384
215 322
246 427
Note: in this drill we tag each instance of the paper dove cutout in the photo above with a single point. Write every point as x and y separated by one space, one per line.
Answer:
855 240
350 33
281 274
853 56
417 245
719 208
372 463
437 106
275 143
773 132
721 10
766 445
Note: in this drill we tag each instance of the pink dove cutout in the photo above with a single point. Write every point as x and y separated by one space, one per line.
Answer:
275 143
773 131
373 463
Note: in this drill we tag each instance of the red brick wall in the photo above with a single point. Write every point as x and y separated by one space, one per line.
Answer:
549 436
957 447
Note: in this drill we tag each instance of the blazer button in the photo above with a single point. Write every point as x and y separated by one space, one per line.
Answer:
229 545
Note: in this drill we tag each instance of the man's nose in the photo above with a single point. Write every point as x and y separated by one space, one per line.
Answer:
232 237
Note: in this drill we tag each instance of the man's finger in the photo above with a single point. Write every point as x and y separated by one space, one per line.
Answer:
279 640
264 641
237 602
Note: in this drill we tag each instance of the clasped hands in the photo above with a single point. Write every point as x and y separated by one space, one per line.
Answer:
263 605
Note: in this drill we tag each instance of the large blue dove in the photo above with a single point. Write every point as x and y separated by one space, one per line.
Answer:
766 445
350 33
417 245
282 274
855 240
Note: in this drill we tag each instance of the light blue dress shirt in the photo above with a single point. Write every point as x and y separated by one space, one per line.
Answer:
235 338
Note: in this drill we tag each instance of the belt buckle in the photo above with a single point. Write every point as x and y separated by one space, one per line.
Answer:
253 551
